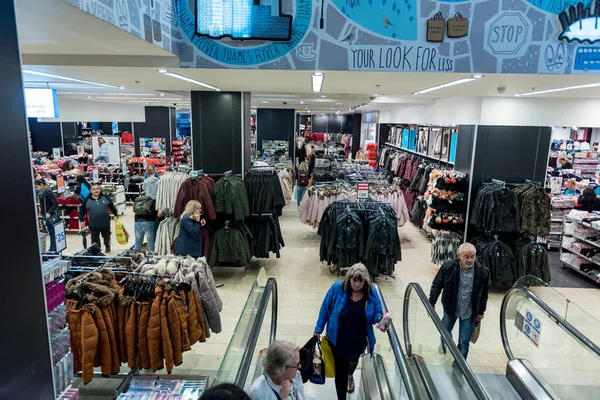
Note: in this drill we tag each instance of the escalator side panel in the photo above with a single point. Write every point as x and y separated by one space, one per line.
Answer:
527 383
428 387
375 384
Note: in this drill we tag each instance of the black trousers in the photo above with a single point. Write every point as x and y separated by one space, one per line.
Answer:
345 365
105 235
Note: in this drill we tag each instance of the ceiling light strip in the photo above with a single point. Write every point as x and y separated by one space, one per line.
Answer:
185 78
589 85
317 81
27 71
449 84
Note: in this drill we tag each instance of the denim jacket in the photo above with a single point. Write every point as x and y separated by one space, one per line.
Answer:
332 306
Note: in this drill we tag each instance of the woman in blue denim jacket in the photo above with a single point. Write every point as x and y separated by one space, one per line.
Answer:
350 309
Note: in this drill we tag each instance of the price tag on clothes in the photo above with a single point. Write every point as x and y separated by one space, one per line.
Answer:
578 172
95 176
362 189
56 152
80 151
59 236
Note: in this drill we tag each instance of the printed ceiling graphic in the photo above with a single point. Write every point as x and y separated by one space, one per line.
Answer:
484 36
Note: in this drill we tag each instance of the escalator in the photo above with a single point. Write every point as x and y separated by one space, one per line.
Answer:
385 376
551 360
548 358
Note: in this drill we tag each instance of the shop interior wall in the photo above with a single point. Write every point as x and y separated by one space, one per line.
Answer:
465 142
26 372
329 123
275 124
157 125
508 153
125 126
81 110
70 136
173 122
217 131
445 111
44 135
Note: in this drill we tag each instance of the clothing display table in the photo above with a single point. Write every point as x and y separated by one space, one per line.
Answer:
580 244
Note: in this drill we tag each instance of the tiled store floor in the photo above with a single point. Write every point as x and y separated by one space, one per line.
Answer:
303 282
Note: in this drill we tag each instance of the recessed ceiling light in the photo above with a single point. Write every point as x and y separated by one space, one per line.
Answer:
185 78
317 81
162 94
147 103
301 102
265 102
323 96
445 85
89 97
27 71
477 76
337 104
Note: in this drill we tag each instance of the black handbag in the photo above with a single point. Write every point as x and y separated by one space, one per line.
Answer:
54 219
317 375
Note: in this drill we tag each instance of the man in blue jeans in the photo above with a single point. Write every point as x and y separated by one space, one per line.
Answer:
146 225
464 284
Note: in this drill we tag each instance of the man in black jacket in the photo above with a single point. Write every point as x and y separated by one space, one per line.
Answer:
465 285
98 207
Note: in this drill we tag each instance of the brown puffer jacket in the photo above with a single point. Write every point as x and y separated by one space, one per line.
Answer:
84 338
123 303
131 335
103 351
154 332
178 328
165 332
144 317
195 318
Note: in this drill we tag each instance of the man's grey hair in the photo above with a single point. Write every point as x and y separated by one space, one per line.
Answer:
279 356
466 247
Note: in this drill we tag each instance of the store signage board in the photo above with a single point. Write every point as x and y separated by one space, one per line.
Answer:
56 152
59 236
60 183
532 328
363 190
556 184
41 103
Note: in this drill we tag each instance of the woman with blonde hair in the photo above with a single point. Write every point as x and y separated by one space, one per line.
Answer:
350 309
302 180
189 241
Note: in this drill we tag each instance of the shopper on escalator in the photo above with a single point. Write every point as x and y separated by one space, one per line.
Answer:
350 309
464 283
282 379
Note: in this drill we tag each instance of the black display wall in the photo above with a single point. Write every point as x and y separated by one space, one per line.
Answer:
218 142
27 370
275 124
464 148
157 125
125 126
356 121
44 135
329 123
70 137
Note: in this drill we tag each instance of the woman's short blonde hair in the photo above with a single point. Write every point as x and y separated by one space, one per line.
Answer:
191 207
304 166
358 272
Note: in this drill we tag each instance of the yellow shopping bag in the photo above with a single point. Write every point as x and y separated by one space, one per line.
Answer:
121 232
327 356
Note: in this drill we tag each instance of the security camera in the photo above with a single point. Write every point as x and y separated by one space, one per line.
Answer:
285 103
174 104
501 89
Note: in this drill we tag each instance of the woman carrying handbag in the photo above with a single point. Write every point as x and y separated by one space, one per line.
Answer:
48 207
350 309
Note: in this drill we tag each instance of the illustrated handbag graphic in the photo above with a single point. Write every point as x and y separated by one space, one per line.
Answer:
458 26
435 28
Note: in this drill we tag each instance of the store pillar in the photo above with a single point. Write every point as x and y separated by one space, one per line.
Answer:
160 123
221 131
26 372
275 124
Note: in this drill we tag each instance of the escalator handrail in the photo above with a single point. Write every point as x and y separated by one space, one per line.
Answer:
270 290
548 310
397 349
467 372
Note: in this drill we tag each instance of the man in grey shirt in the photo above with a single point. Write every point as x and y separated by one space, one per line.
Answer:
98 208
465 283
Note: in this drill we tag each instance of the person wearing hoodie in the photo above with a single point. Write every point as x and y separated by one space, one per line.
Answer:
48 207
150 185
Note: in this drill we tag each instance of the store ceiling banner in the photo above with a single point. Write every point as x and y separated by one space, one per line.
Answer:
41 103
477 36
